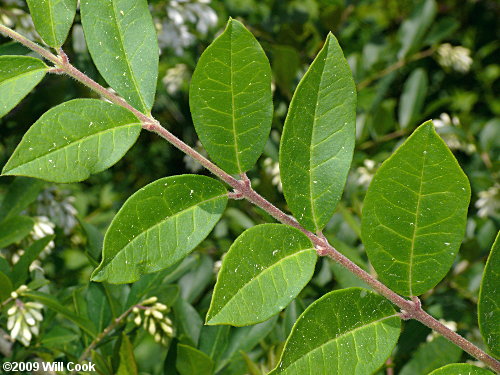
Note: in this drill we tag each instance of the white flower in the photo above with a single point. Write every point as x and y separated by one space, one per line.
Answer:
175 77
43 227
457 58
23 321
366 172
488 203
272 168
58 206
181 14
151 315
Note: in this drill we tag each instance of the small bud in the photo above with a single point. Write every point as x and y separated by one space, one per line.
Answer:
149 301
157 337
135 310
158 315
160 306
152 327
14 295
137 320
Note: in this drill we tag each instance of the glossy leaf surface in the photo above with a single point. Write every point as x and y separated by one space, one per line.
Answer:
489 301
191 361
74 140
18 76
53 19
318 138
21 193
159 225
265 269
430 356
122 41
415 212
230 99
349 331
460 369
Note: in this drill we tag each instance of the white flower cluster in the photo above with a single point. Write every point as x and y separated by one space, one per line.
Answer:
272 168
23 318
457 58
174 32
488 203
366 172
175 77
154 320
58 205
446 126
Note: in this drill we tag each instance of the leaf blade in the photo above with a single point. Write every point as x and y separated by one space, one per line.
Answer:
122 42
14 229
219 82
155 211
489 297
191 361
460 369
53 19
318 139
278 257
411 227
18 76
81 130
319 344
412 97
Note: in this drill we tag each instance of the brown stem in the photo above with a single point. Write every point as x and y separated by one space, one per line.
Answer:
397 65
411 309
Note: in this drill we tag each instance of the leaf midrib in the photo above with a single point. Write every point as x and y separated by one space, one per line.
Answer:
233 117
124 51
52 23
339 337
161 222
68 145
259 274
415 226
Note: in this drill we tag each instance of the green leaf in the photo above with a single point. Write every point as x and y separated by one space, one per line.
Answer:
74 140
265 268
18 76
128 366
431 355
318 138
214 341
348 331
194 283
159 225
231 100
412 97
489 301
122 41
5 287
52 303
14 229
21 268
413 29
22 192
53 19
98 308
188 322
414 214
460 369
191 361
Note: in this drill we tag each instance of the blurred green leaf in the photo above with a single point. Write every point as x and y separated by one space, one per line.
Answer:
5 287
413 30
214 341
18 76
195 282
489 301
344 332
230 99
430 356
122 40
191 361
14 229
98 308
53 19
21 268
74 140
415 212
21 193
318 138
412 98
159 225
127 359
265 268
460 369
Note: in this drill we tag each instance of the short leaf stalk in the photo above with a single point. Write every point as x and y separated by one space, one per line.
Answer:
410 309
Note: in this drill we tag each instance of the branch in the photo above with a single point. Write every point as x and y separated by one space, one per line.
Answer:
410 309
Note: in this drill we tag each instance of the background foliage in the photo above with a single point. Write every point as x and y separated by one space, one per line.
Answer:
411 61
